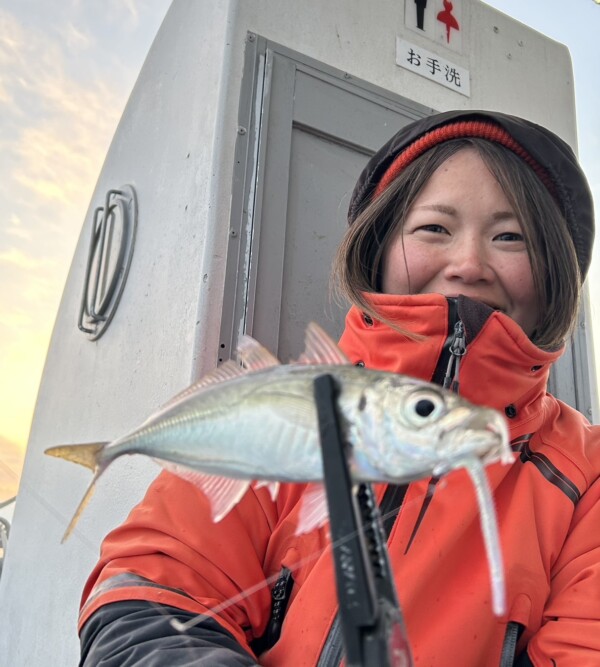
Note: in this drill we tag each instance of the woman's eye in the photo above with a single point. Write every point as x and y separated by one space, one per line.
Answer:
435 229
509 236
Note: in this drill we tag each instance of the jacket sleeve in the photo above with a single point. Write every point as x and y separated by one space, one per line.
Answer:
170 553
570 635
136 633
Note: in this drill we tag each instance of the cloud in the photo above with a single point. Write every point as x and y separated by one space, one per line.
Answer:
58 124
77 40
17 258
130 7
16 229
15 319
55 131
24 336
11 463
66 69
58 156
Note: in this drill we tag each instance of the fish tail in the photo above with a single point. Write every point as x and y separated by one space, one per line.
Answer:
86 455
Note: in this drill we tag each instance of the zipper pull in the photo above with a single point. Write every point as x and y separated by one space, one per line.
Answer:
458 348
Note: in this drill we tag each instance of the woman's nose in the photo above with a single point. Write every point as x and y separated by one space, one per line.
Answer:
468 261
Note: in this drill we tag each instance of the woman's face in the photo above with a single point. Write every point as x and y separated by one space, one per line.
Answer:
461 236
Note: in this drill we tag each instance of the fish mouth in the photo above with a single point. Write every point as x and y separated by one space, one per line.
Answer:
483 435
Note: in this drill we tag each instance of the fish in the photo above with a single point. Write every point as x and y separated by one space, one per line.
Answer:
254 422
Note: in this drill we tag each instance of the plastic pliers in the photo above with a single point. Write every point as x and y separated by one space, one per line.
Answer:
373 628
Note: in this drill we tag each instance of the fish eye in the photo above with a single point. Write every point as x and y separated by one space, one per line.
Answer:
424 406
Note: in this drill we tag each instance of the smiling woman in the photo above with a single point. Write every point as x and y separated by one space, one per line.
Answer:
461 236
469 217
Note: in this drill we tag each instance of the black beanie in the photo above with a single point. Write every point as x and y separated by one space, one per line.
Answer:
547 154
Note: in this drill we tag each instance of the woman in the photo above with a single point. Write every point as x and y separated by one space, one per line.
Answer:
470 236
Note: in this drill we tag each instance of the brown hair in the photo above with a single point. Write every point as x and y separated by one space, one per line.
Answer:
358 265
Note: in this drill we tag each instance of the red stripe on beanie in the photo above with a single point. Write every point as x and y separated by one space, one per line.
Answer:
466 128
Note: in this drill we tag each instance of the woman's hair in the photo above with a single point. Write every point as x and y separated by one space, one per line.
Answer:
358 265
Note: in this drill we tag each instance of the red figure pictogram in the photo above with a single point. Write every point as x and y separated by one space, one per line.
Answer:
448 19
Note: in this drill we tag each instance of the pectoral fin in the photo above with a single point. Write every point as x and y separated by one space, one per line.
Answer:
314 511
273 488
223 493
489 528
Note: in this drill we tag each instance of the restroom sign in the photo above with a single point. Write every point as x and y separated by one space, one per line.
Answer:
433 66
438 20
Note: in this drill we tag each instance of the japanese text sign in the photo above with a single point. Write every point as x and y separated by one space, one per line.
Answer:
432 66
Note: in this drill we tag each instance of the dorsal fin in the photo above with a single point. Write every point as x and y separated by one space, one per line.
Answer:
250 353
253 356
228 370
319 348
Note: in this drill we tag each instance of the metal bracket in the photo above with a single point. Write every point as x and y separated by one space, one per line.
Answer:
108 261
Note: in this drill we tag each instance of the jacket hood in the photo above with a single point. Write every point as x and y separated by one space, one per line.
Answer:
501 369
548 155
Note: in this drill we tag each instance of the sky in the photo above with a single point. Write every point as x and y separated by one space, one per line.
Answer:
67 68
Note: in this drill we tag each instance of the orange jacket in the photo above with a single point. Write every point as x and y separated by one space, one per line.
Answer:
168 551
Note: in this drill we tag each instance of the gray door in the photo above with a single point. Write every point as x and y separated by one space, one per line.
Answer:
307 135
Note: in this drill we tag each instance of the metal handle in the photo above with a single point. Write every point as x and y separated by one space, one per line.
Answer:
109 258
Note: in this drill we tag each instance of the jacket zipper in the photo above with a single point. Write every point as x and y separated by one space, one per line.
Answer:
448 366
513 631
458 347
331 655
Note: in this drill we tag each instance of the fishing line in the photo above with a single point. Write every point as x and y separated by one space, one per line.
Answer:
62 519
183 627
57 514
9 470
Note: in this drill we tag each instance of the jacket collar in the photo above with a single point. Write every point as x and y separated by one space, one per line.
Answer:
501 367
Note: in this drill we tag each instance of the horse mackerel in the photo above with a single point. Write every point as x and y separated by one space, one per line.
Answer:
256 423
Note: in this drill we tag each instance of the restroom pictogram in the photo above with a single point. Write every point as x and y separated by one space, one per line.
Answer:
448 19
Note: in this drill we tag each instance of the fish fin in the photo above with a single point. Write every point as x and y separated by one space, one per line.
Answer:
226 371
314 511
222 493
320 348
83 503
253 356
272 486
86 455
489 529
